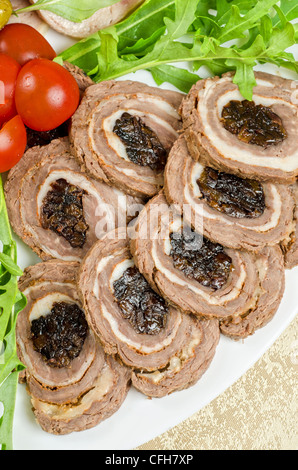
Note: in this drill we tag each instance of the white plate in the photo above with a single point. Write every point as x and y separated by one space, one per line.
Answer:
140 419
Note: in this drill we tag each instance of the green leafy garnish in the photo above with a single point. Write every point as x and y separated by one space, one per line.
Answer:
72 10
12 301
221 35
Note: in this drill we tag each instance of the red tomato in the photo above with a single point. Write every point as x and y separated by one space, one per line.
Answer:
13 141
46 95
24 43
9 70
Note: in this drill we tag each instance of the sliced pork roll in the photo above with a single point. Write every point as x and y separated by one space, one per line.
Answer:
235 212
290 246
101 19
136 325
187 367
81 78
204 278
72 383
122 133
255 139
57 210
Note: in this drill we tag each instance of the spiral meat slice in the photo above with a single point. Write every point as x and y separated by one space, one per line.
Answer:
122 133
187 367
101 19
290 246
235 212
56 209
72 383
137 326
204 278
253 139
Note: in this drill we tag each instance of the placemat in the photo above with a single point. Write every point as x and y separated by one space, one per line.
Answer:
258 412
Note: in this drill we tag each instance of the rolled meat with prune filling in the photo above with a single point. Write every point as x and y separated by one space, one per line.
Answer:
236 212
186 367
135 324
56 209
290 246
72 383
202 277
122 133
254 139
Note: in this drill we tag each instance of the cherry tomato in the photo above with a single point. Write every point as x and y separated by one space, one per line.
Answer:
46 95
9 70
13 141
24 43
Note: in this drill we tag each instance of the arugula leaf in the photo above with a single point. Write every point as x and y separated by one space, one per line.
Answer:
221 35
180 78
72 10
264 43
140 25
12 301
8 389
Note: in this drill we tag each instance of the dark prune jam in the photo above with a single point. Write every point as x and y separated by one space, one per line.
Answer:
140 305
232 195
200 259
42 138
59 336
143 147
62 212
253 124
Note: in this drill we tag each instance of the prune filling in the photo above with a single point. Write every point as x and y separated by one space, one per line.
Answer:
231 195
143 147
140 305
59 336
200 259
62 212
42 138
253 124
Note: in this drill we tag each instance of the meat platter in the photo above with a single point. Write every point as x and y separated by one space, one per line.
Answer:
140 419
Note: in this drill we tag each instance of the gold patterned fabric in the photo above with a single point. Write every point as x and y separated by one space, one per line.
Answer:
258 412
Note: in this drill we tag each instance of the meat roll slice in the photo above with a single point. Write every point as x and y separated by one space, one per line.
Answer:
72 383
80 76
122 133
204 278
235 212
290 246
187 367
101 19
136 325
57 210
255 139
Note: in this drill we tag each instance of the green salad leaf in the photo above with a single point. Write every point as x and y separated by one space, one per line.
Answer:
221 35
72 10
12 301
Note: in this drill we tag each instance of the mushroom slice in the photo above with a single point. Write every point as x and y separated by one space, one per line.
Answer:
187 367
31 18
122 133
202 277
72 383
56 209
254 139
236 212
131 320
101 19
